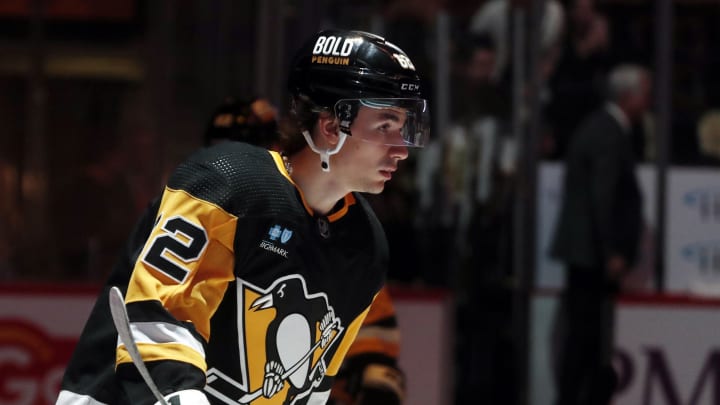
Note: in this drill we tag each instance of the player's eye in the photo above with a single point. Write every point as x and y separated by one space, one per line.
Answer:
384 127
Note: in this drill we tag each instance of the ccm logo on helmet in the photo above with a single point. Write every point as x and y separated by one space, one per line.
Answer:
333 46
410 87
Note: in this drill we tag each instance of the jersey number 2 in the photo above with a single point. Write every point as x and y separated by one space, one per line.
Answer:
182 240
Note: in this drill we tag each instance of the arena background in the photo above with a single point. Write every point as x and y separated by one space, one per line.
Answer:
99 101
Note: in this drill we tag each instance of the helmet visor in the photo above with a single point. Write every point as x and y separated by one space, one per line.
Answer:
386 121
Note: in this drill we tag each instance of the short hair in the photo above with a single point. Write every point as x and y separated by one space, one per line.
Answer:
625 79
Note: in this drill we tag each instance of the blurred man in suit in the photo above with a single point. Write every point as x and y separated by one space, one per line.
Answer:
597 236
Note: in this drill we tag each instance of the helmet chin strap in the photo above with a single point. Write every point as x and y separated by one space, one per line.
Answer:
325 154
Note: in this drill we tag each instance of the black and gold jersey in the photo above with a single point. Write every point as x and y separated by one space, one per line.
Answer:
233 285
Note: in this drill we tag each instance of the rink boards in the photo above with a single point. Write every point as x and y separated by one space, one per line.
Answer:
40 325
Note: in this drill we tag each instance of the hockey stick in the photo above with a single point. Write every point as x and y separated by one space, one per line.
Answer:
122 324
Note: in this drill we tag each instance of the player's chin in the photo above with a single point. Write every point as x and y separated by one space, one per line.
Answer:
375 188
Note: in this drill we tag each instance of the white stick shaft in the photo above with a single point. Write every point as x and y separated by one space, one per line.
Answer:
122 324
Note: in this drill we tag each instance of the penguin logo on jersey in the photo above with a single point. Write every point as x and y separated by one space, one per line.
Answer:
288 339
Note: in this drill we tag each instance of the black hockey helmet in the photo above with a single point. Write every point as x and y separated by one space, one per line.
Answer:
340 71
337 64
252 120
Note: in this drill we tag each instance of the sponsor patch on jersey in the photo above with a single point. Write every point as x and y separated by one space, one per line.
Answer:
276 234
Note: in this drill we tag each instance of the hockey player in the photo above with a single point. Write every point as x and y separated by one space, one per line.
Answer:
251 282
370 373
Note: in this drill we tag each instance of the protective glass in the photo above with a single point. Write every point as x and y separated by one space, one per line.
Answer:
386 121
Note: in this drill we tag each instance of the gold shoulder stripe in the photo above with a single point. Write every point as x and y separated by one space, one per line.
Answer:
206 276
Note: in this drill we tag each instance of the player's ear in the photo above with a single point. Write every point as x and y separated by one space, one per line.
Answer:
328 129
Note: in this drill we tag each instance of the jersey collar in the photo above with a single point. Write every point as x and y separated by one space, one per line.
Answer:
340 209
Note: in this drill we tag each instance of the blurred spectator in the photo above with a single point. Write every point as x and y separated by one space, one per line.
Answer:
479 184
480 155
481 112
476 93
587 29
475 146
597 237
576 85
494 16
709 138
411 24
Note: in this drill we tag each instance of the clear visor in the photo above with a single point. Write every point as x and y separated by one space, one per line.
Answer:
386 121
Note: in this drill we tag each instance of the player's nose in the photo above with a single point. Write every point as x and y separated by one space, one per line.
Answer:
398 152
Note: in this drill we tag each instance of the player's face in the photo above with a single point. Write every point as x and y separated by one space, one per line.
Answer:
368 160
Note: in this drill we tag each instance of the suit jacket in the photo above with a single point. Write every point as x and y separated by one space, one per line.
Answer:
601 212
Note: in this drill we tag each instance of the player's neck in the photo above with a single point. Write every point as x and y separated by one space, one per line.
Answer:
321 189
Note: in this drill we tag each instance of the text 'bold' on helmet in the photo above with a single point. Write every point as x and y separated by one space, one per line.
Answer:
338 64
